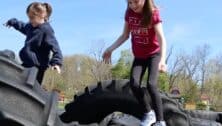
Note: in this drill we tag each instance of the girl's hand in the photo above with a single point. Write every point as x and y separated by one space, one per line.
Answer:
57 68
9 23
107 56
162 67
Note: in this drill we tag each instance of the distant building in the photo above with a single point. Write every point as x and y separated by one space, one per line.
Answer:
190 106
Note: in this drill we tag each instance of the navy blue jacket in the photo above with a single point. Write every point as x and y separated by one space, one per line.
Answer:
40 41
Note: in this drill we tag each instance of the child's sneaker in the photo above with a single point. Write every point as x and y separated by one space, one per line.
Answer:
160 123
149 119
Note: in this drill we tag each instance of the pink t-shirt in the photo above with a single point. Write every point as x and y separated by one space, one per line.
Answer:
144 39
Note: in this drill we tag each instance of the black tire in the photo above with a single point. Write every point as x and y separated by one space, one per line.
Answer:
107 97
23 101
9 123
207 115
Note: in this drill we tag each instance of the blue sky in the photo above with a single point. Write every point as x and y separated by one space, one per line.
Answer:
81 25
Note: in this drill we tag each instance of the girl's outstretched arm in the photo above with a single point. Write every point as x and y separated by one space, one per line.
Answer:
18 25
122 38
162 41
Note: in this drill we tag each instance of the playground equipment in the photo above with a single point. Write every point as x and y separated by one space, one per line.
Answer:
24 103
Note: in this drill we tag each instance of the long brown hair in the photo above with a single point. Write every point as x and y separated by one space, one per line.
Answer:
148 8
39 9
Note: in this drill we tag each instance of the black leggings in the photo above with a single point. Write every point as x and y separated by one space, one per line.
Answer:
40 76
137 72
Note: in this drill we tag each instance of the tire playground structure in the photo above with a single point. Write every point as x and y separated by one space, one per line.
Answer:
107 103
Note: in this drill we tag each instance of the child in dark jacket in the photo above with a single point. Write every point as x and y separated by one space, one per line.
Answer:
40 40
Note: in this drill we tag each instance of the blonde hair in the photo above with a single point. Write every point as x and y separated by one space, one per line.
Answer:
43 10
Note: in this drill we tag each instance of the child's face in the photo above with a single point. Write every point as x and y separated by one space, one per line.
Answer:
35 20
136 5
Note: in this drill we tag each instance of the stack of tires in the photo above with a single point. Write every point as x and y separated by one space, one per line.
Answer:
24 103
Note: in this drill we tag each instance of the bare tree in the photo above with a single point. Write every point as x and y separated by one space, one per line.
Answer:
174 71
100 71
203 53
173 68
190 64
169 55
213 82
181 66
